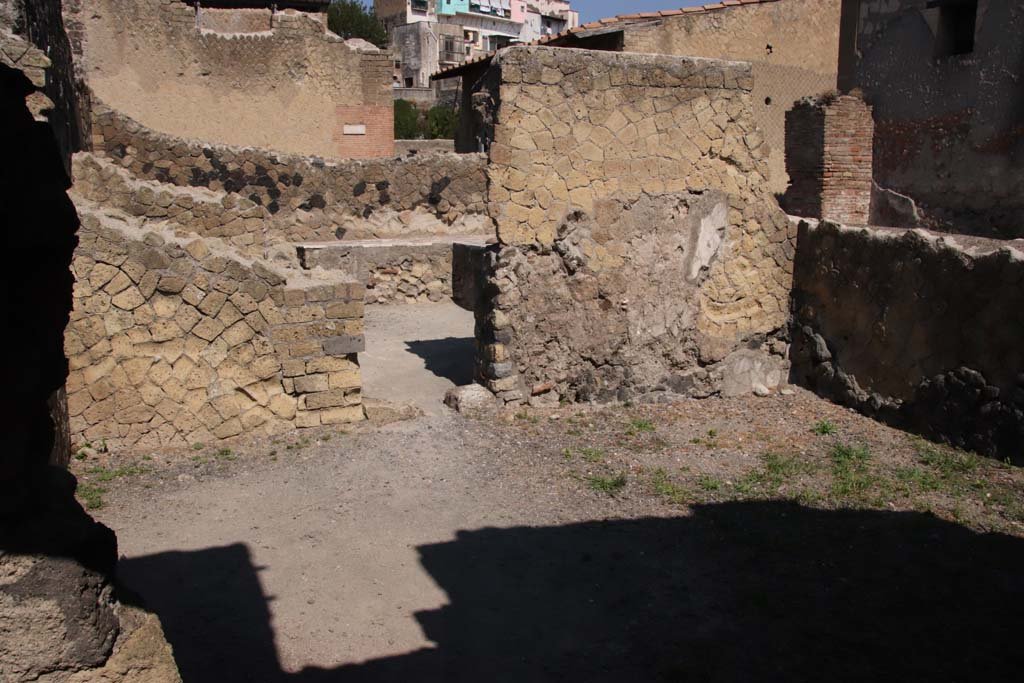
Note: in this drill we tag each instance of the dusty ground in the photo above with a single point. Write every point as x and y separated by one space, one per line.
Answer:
782 538
415 353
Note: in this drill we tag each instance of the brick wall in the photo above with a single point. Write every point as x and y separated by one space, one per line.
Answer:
365 131
828 157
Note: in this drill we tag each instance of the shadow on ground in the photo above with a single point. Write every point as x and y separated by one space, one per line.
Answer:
450 358
736 592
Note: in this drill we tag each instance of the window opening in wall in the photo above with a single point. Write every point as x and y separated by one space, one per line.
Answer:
957 20
408 82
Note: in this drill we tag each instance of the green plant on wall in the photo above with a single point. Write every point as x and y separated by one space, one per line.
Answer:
441 123
407 124
353 19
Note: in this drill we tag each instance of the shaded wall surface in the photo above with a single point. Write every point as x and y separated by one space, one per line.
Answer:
949 128
57 614
293 88
639 243
921 332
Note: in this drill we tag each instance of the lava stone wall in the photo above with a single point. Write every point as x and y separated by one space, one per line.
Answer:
316 199
640 245
918 330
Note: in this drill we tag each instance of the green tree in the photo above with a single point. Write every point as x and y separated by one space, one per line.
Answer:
407 124
441 123
353 19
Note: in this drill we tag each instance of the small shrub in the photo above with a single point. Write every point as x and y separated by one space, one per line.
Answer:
225 454
105 474
407 120
441 123
824 428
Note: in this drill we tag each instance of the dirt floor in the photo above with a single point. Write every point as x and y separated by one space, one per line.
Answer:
780 538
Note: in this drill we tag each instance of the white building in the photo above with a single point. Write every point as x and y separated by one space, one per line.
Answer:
456 30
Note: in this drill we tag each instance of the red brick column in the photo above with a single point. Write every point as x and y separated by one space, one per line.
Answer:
828 159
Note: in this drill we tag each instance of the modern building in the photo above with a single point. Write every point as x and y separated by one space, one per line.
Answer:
431 35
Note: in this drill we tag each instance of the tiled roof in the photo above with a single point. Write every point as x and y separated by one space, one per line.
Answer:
611 23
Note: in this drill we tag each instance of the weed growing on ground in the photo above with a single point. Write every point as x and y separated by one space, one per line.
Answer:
109 474
639 426
526 417
850 475
824 428
225 454
950 464
91 495
592 454
664 487
708 483
609 485
710 440
567 453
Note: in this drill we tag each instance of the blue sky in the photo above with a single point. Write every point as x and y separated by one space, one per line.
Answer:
591 10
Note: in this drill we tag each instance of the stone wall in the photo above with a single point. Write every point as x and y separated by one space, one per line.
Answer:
640 245
175 341
828 158
237 20
915 329
406 147
236 220
295 87
394 271
949 128
793 46
312 198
